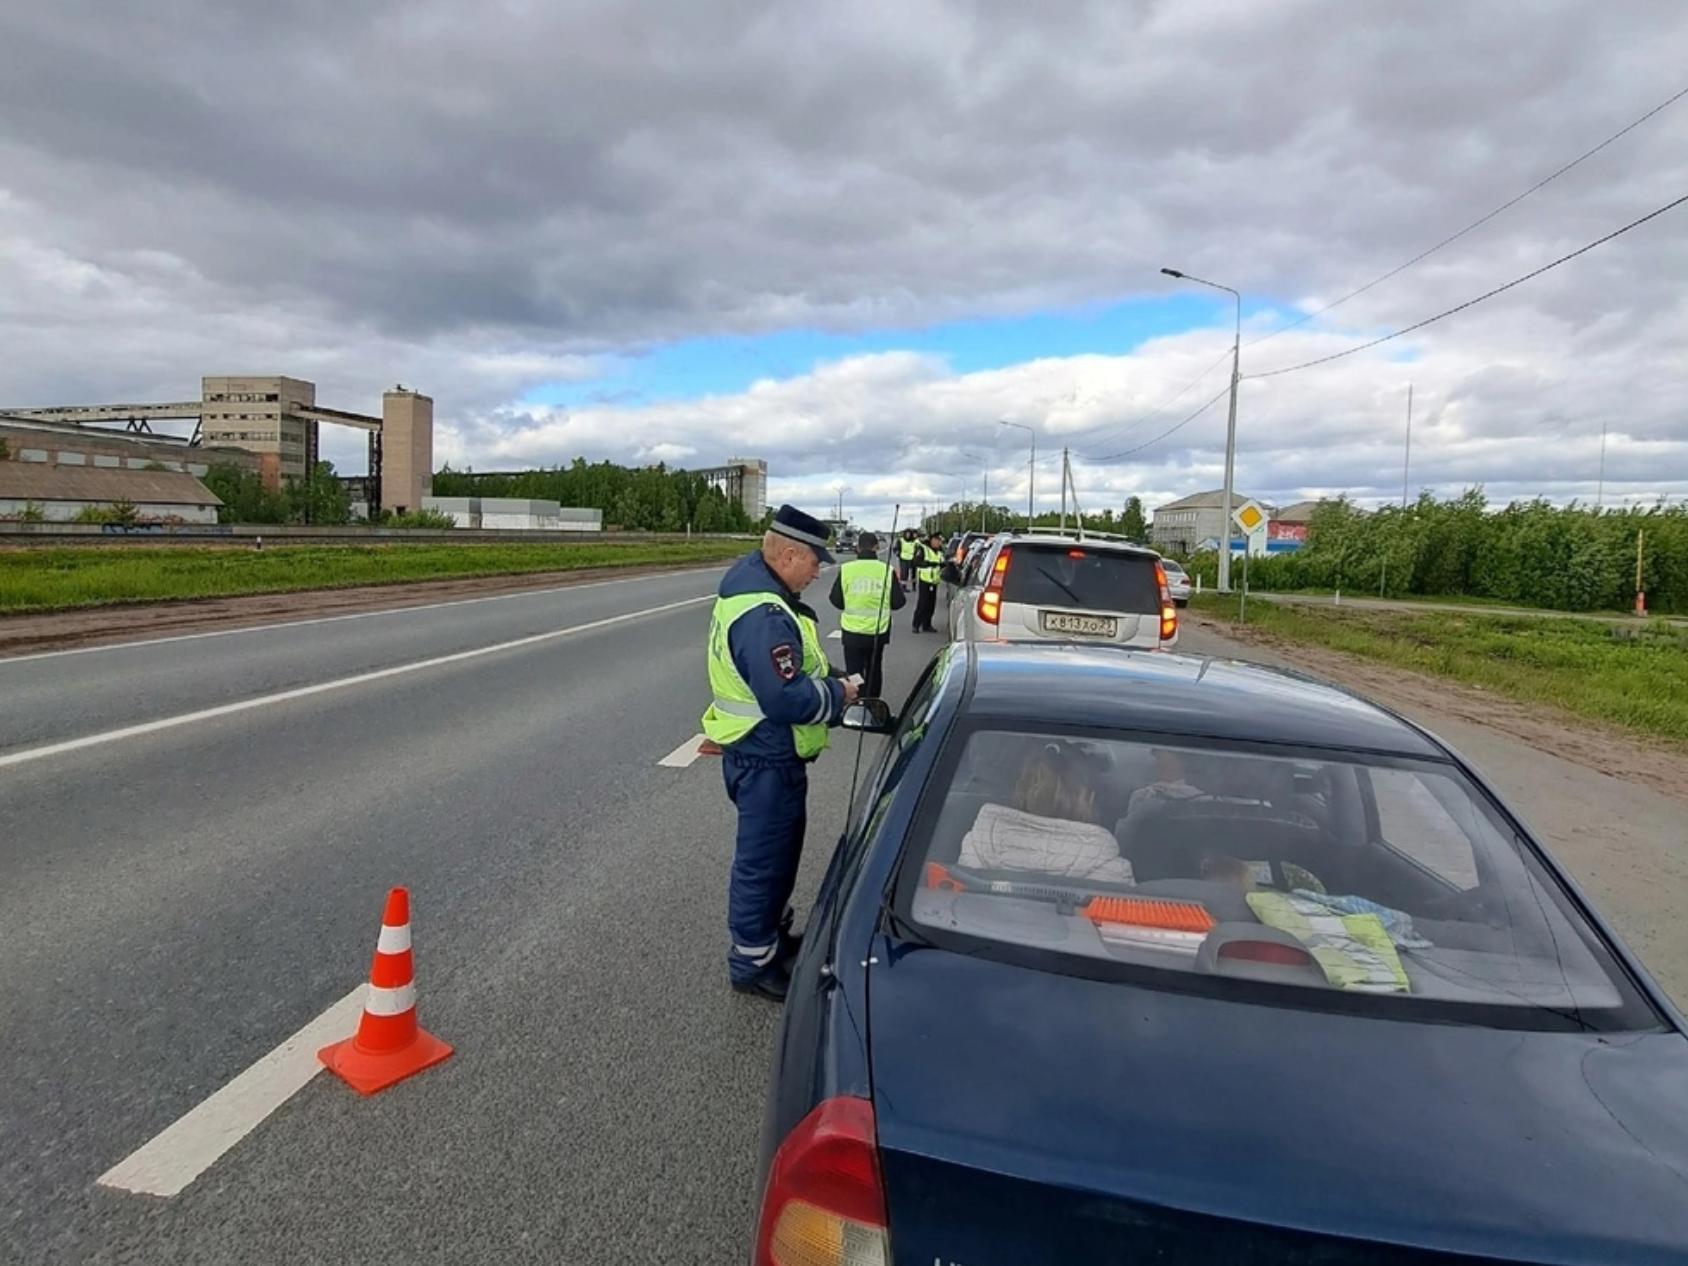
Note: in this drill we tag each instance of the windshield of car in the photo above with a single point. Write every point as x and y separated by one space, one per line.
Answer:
1080 576
1171 568
1356 876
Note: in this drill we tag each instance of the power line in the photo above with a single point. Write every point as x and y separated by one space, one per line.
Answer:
1176 426
1471 303
1122 428
1477 223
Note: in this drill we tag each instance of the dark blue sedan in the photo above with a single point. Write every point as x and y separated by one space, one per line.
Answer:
1130 957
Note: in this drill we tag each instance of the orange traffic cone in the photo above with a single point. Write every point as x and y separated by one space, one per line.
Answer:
388 1046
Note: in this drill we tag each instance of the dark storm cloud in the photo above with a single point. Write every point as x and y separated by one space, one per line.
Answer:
468 195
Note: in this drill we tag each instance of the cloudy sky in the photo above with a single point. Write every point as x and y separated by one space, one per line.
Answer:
849 238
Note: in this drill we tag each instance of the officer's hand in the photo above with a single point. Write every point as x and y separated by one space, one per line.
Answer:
851 691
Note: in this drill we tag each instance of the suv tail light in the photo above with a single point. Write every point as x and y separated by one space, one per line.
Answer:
1168 611
825 1202
990 601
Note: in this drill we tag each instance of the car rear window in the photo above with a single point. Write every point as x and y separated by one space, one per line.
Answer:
1076 577
1302 875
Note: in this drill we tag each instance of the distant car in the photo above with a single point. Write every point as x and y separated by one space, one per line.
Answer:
1317 996
1051 587
1177 581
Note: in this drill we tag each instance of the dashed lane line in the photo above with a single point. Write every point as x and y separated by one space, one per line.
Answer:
682 757
323 687
170 1160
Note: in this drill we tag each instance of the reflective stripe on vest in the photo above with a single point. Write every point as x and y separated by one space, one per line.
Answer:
933 563
733 711
906 550
867 609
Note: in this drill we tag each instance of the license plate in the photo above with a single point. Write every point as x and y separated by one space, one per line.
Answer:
1080 625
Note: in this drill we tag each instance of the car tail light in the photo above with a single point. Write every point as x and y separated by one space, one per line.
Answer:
1168 612
1266 952
990 601
825 1202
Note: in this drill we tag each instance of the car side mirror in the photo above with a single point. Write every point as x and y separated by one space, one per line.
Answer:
873 716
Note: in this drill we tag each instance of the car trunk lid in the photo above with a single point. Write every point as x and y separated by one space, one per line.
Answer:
1030 1117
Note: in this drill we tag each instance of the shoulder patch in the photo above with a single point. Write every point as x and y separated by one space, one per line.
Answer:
785 661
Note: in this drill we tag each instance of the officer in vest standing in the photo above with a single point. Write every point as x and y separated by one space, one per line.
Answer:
774 695
908 549
866 592
929 568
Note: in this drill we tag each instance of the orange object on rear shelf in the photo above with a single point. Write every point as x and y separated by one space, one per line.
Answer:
1150 912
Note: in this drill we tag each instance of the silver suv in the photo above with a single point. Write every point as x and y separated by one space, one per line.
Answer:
1048 586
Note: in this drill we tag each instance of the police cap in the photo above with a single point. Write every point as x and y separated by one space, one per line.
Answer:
792 523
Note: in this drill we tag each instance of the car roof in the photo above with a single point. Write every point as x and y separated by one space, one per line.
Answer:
1085 542
1161 691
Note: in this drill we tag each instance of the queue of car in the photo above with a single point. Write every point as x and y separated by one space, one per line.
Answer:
1130 955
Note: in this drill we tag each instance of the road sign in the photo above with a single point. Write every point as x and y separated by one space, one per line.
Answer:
1253 521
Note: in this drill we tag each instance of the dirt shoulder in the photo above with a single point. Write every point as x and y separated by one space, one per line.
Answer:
89 626
1658 765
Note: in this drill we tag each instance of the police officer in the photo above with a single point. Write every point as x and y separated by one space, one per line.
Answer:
930 566
907 550
774 695
866 592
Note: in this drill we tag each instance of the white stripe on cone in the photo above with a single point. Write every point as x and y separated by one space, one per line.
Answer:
393 940
394 1001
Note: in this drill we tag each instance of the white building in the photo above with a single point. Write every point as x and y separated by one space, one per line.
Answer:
60 493
515 514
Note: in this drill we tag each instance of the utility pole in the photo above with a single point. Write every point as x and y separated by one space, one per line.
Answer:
1065 473
1230 429
986 495
1407 461
1600 493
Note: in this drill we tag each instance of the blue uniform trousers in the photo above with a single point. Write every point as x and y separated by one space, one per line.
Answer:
772 801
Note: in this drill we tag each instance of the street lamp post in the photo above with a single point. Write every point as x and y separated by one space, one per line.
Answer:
1031 469
1230 428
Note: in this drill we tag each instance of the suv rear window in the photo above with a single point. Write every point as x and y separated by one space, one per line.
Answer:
1081 577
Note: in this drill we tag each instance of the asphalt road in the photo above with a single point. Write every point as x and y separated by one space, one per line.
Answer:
178 902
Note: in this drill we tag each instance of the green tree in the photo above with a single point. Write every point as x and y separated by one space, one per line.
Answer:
322 499
1132 523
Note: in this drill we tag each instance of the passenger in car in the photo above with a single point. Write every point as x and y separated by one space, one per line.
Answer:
1053 784
1052 827
1171 782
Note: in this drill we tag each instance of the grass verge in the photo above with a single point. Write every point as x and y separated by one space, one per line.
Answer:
37 580
1634 676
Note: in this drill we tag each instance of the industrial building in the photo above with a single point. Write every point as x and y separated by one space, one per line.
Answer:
275 419
744 480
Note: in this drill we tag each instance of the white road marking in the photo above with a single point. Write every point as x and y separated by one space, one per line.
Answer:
185 1149
837 635
33 656
683 756
322 687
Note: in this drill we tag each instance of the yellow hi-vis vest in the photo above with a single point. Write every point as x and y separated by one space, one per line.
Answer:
867 608
734 712
907 549
932 563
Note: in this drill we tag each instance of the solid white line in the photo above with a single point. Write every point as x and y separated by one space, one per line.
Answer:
33 656
683 756
322 687
837 635
171 1160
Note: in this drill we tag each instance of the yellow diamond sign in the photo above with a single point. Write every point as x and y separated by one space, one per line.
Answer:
1249 517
